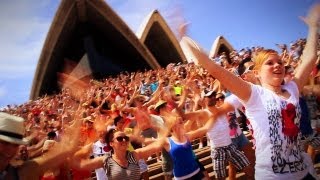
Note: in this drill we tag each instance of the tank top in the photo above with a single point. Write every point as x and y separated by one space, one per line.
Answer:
114 171
184 163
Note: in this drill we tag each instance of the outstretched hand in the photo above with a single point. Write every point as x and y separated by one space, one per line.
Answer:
313 18
71 136
183 29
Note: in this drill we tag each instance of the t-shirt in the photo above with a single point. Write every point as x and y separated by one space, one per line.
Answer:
236 103
99 150
154 86
177 90
275 121
235 130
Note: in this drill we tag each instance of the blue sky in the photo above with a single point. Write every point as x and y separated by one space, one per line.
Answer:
244 23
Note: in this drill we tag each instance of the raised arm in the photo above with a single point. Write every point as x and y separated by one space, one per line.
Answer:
91 164
309 56
154 147
196 114
183 97
155 96
80 159
233 83
135 93
204 129
57 155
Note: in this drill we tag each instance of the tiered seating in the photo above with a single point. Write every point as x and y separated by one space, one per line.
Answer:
203 154
155 170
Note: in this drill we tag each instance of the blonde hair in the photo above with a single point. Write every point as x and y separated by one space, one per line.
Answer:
261 56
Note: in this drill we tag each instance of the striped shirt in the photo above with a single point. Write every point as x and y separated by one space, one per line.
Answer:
114 171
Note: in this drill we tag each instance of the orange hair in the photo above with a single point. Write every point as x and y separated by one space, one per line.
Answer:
262 56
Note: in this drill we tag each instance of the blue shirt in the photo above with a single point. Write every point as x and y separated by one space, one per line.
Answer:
183 158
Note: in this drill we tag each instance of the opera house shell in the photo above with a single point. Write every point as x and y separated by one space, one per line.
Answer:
89 32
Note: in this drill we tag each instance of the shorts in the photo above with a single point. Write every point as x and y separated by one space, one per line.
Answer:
221 155
149 133
312 140
143 165
315 142
240 141
167 164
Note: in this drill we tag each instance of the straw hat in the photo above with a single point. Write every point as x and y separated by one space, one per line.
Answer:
12 129
159 104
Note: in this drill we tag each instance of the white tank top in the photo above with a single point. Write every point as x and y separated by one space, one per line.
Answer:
219 133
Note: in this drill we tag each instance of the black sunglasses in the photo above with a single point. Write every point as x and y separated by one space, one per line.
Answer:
122 138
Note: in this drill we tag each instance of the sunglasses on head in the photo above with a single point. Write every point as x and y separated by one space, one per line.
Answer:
122 139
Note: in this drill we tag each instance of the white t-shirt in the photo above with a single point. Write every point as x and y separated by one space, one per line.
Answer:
118 99
98 150
157 121
48 144
219 133
236 103
235 130
277 155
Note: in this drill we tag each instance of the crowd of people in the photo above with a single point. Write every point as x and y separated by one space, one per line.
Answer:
115 124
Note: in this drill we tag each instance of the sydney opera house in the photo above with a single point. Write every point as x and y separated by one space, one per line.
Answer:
90 33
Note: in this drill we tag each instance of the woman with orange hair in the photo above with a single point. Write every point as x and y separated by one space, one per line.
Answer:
273 107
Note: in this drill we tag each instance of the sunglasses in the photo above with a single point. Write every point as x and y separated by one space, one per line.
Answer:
250 69
122 138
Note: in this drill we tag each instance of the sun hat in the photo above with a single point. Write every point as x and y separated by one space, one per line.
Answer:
12 129
159 104
248 69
